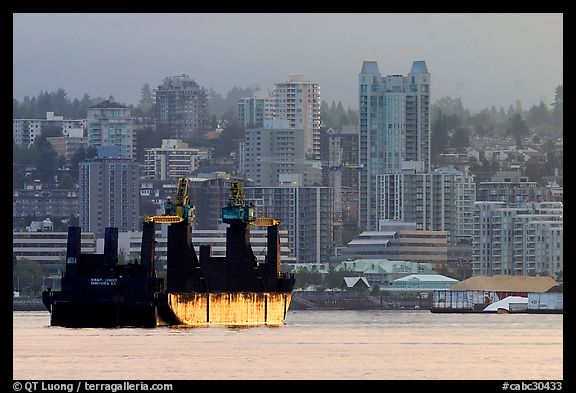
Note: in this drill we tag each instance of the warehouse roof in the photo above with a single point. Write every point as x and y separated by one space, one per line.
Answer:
506 284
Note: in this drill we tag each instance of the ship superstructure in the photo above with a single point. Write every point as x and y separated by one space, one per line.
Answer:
198 290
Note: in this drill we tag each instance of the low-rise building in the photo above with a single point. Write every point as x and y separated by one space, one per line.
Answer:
40 202
383 272
48 248
398 244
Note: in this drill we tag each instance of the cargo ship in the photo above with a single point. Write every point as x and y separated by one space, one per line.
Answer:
96 291
234 290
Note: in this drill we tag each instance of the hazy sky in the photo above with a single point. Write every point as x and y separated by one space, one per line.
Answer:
485 59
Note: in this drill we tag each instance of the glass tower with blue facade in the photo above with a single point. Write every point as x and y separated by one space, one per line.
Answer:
394 129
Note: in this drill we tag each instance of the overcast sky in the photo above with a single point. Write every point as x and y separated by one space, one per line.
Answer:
485 59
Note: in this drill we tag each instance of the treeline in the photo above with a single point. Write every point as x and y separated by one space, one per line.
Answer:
226 108
55 101
335 116
452 124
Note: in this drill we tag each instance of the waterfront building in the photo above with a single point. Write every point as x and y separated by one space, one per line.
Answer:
518 239
407 244
48 248
383 272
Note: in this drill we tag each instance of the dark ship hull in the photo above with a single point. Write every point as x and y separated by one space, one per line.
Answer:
98 292
234 290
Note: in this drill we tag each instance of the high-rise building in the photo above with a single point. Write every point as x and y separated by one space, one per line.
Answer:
182 107
298 102
173 159
307 214
510 187
339 156
394 128
518 239
110 124
440 200
269 152
109 195
253 111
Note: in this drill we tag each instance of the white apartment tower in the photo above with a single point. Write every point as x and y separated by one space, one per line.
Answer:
298 101
518 239
172 160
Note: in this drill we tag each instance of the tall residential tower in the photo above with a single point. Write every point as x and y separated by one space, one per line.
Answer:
298 101
182 106
394 129
110 124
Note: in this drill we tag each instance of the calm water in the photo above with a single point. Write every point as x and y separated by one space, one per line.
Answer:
416 345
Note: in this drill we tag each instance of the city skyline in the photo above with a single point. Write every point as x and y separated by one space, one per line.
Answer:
484 59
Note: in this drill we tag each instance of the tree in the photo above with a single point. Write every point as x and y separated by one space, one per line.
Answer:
82 154
518 128
353 118
66 181
558 112
482 123
538 115
305 278
333 278
146 103
44 159
147 138
460 139
451 106
60 103
27 277
440 128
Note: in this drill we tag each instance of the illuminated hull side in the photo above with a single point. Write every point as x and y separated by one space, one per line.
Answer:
225 309
233 290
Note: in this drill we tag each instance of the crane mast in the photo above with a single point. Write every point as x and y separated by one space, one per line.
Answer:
178 210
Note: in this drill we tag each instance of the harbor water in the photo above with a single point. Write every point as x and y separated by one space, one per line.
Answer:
325 345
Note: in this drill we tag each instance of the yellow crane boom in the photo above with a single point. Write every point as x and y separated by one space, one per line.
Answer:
264 222
164 219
